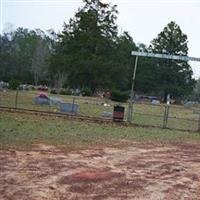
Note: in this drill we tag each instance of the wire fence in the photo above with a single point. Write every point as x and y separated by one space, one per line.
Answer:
144 114
167 116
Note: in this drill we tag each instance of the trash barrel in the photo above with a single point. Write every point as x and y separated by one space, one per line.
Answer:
118 113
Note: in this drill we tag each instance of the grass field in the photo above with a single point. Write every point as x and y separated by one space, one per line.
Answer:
51 158
23 130
88 105
144 114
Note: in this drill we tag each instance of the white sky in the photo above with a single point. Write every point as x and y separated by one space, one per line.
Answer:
143 19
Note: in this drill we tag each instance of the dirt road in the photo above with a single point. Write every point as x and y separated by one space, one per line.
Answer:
135 171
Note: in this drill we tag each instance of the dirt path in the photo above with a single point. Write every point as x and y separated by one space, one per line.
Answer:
137 171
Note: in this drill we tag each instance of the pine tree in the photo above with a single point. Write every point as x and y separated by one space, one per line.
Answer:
174 77
87 44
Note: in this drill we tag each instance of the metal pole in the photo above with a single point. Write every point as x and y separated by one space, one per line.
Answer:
73 102
166 115
199 123
130 107
16 97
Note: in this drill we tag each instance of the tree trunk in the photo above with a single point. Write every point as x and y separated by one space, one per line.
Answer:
165 96
59 80
36 78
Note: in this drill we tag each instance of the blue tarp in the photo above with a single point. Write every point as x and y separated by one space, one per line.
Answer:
69 107
42 101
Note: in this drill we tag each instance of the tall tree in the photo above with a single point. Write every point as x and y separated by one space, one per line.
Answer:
196 92
39 62
5 57
122 59
87 44
23 54
146 73
58 62
175 77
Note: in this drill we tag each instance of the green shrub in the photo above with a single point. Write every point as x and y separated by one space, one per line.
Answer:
65 92
86 91
120 96
53 91
14 84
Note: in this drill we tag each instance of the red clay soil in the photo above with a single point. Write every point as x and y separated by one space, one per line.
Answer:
138 171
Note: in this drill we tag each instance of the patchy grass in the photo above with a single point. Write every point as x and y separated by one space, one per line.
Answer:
144 114
88 105
21 131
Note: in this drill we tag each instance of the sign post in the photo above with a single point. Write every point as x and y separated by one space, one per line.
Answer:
130 106
153 55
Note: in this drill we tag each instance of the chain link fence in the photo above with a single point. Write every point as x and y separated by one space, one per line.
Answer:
90 106
144 114
167 116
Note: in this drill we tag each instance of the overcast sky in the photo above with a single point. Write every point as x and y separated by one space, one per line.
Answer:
143 19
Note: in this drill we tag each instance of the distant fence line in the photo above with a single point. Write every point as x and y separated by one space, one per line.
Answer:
158 115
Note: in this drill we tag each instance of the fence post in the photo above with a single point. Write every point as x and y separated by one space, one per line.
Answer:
16 97
199 124
165 117
73 102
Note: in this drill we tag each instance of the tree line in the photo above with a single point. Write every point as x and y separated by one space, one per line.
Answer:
90 53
